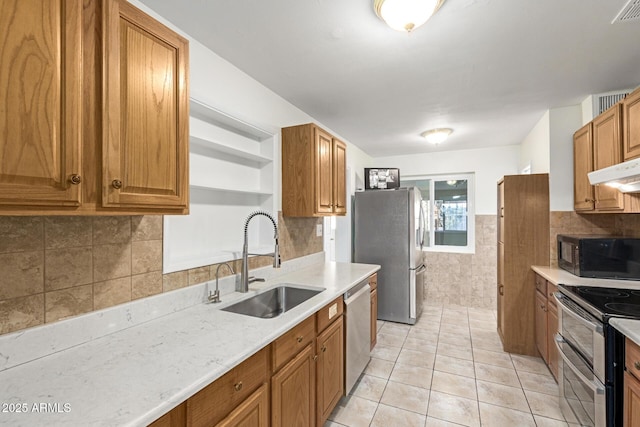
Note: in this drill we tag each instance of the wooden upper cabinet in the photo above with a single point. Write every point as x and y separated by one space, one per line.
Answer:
631 125
313 172
40 114
583 199
145 116
607 151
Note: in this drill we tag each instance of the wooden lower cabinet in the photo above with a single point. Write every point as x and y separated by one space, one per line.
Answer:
176 418
552 330
541 326
374 318
546 315
293 391
253 412
631 411
330 369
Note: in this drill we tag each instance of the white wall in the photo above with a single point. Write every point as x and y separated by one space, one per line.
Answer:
563 122
488 164
587 110
534 149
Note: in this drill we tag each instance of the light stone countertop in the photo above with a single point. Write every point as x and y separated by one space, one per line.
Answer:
629 327
558 276
132 377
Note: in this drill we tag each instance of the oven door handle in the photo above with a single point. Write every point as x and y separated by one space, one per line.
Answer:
594 385
562 300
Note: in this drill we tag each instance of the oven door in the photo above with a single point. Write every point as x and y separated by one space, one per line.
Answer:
582 394
583 332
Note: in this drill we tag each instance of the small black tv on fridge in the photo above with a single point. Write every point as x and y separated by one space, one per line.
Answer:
381 178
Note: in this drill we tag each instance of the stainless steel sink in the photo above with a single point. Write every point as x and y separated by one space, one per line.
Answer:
272 303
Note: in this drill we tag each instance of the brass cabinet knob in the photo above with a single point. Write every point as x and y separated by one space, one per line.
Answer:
237 386
324 348
315 357
637 365
300 338
117 184
75 179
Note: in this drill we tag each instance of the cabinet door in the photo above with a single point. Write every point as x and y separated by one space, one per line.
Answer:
501 212
541 325
374 318
339 177
607 151
583 198
40 126
253 412
631 409
500 290
323 152
293 397
330 369
145 117
631 125
552 330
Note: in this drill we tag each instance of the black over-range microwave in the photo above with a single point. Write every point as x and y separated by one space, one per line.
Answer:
605 257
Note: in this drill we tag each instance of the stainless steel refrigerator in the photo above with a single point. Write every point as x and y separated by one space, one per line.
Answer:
388 230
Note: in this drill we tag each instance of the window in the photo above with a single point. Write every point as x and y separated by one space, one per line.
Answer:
448 205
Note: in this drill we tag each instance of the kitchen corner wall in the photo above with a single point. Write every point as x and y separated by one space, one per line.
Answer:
53 268
465 279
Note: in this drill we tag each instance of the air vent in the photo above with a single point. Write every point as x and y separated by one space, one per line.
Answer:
603 101
630 12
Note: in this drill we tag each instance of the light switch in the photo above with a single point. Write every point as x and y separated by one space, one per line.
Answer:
318 230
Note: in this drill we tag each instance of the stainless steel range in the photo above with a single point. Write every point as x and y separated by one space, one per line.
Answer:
591 368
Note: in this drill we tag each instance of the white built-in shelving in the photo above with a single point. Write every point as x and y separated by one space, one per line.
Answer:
231 174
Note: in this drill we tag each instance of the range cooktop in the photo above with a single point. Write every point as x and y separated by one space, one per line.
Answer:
607 302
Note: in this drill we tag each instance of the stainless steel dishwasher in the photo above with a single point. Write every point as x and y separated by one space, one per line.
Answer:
357 302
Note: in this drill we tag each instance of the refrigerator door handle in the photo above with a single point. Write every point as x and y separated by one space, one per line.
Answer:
421 269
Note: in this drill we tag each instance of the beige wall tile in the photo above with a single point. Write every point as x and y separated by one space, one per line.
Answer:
19 234
68 302
67 231
21 274
146 256
65 268
111 292
21 313
147 284
111 229
176 280
148 227
111 261
199 275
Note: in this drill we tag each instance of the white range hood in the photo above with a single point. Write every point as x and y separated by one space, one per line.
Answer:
623 176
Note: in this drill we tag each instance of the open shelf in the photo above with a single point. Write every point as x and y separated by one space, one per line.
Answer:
223 148
232 190
216 117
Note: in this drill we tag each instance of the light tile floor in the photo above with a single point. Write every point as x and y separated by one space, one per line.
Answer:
449 370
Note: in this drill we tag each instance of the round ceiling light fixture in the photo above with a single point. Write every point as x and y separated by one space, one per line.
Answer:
406 15
436 136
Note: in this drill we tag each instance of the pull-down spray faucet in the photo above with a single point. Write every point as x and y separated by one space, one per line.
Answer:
244 276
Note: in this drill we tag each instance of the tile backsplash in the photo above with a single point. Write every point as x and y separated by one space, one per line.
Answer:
52 268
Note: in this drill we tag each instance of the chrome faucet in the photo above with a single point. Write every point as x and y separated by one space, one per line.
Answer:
215 296
243 286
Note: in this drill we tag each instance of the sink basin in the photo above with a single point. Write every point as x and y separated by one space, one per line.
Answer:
273 302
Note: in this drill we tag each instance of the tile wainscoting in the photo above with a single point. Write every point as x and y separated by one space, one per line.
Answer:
53 268
465 279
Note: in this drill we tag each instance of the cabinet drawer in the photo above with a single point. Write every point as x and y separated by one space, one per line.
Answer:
631 357
217 400
289 344
329 313
541 284
373 281
551 289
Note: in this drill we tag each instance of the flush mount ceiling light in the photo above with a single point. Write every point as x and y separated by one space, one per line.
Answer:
406 15
436 136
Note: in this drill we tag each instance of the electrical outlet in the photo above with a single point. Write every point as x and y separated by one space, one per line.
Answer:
318 230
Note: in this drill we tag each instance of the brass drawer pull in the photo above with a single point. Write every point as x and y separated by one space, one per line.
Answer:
636 365
75 179
324 348
300 338
117 184
237 386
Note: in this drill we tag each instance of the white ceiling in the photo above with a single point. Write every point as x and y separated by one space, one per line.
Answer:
486 68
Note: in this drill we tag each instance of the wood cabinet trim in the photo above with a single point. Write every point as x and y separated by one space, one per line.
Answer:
631 125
